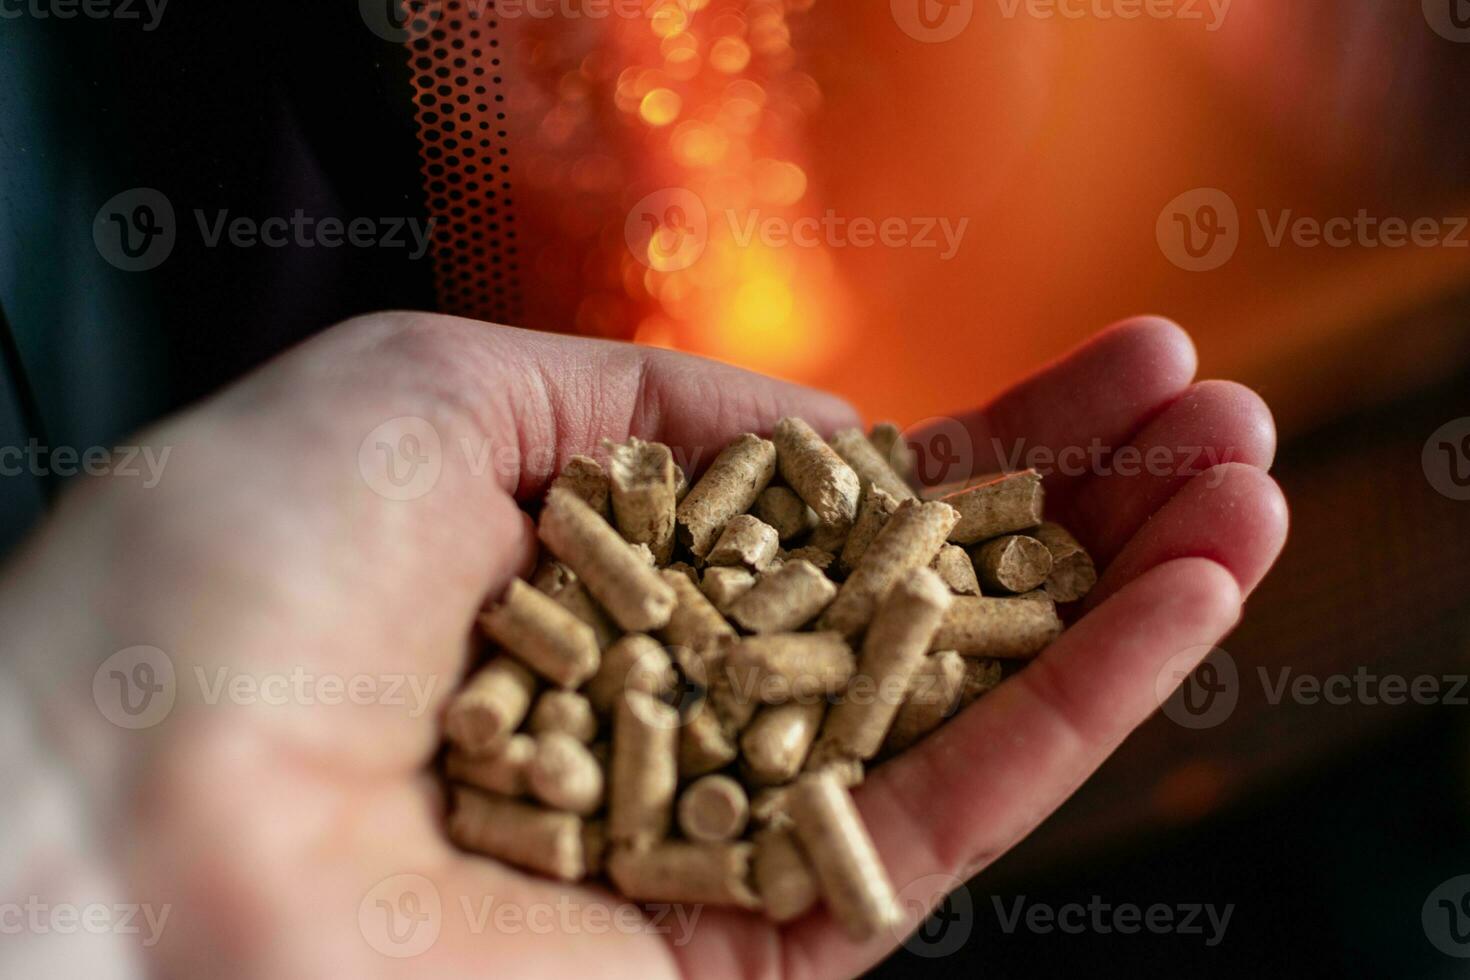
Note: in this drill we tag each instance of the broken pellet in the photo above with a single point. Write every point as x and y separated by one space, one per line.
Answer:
953 565
641 476
822 559
728 487
565 775
934 695
543 635
785 883
1009 503
722 585
746 541
713 808
705 744
585 477
877 507
518 833
848 869
502 772
909 541
888 439
645 770
491 706
893 650
685 569
566 712
1072 572
869 464
998 628
817 474
775 744
635 663
981 677
631 592
679 871
795 666
785 600
1013 563
551 576
785 511
695 623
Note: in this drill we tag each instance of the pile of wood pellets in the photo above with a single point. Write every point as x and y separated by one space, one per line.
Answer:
683 696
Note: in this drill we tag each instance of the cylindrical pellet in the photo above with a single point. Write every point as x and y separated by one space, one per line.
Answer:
817 474
1012 563
631 592
954 566
877 507
585 477
564 774
641 476
722 585
713 809
1000 628
934 695
892 651
634 663
728 487
1009 503
823 560
784 601
594 846
681 483
504 772
746 541
775 743
645 770
848 870
785 883
869 464
734 690
575 599
781 508
795 666
705 744
909 541
566 712
491 706
981 677
543 635
1072 572
695 623
678 871
518 833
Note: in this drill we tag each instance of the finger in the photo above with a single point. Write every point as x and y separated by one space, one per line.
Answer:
1096 396
1213 422
966 794
1233 514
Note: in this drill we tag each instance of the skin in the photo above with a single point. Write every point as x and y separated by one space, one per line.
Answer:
264 550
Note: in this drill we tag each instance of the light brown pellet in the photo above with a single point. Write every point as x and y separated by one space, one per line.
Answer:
888 439
785 511
705 744
685 569
981 677
641 476
681 483
909 541
848 870
695 624
817 474
934 695
645 770
635 663
551 576
1007 504
575 599
831 538
746 541
954 566
518 833
733 688
722 585
502 772
491 706
585 477
543 635
869 464
785 883
678 871
877 508
998 628
775 744
631 592
892 651
1013 563
822 559
795 666
713 809
784 601
566 712
565 775
728 487
1072 572
594 846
